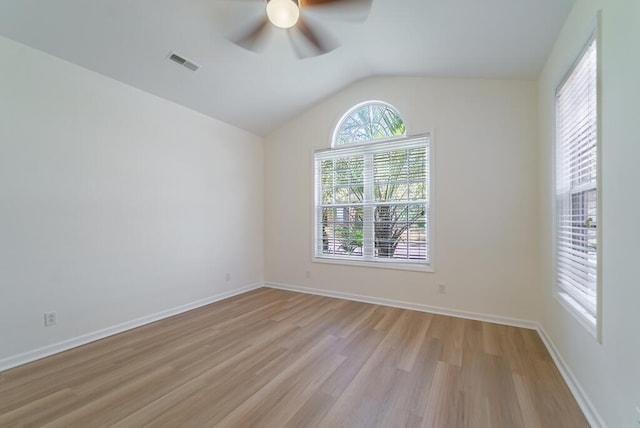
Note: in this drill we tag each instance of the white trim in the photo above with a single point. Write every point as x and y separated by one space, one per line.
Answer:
599 231
379 264
432 199
36 354
578 312
496 319
587 407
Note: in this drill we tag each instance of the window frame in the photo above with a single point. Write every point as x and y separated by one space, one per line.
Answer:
570 304
396 264
357 107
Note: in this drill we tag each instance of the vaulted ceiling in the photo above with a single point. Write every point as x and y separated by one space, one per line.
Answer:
129 40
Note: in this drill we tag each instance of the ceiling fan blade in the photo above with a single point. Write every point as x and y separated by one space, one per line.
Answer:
308 41
350 10
253 38
297 49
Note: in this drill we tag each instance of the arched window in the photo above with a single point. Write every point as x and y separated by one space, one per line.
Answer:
372 200
373 120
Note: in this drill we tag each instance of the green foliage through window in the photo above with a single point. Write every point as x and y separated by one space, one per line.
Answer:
369 122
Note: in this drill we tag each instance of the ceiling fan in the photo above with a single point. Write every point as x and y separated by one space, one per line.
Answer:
306 36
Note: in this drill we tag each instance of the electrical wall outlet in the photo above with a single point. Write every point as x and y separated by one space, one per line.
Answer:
50 318
228 276
307 274
442 288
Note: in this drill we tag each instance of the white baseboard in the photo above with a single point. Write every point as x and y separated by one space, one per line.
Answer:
581 397
46 351
496 319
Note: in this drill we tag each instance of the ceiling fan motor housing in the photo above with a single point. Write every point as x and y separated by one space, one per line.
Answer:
283 13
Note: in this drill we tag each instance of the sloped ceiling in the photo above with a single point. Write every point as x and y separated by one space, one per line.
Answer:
129 40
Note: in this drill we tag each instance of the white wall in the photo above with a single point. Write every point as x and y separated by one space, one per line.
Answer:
114 204
485 195
609 373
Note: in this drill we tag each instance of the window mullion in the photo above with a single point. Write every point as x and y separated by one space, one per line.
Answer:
368 212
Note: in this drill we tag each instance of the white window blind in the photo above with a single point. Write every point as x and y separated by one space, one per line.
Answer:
372 201
577 186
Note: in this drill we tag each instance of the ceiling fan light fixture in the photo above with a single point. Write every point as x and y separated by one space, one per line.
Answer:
283 13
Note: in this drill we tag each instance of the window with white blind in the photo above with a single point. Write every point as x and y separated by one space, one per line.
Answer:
372 195
577 182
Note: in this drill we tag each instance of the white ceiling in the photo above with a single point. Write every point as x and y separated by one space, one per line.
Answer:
129 40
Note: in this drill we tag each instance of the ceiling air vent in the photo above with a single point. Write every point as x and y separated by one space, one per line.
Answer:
182 61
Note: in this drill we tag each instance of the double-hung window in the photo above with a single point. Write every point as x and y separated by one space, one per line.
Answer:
577 184
372 195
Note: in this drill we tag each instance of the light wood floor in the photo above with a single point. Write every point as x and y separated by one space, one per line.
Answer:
272 358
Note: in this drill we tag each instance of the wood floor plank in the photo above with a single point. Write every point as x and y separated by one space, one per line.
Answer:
421 377
504 408
475 381
417 325
453 346
274 358
225 387
530 417
362 392
104 410
25 414
357 350
279 399
444 407
312 411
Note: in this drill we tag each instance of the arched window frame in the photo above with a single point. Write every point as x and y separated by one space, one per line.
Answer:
346 231
341 123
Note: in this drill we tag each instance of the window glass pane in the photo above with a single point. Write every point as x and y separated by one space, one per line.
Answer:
328 230
342 180
369 122
400 231
342 231
400 175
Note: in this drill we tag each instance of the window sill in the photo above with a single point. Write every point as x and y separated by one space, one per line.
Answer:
378 265
589 323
